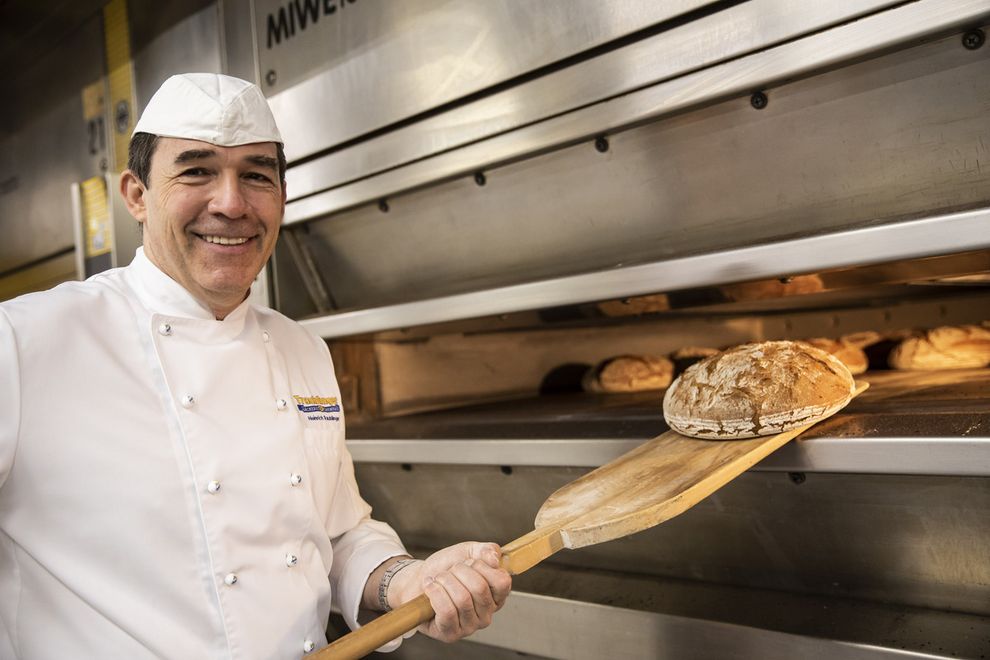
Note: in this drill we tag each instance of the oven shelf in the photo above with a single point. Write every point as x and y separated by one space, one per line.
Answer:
906 423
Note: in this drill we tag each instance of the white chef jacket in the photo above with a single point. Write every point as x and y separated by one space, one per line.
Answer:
172 485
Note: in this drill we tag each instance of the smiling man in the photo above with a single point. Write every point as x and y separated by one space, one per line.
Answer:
212 220
166 489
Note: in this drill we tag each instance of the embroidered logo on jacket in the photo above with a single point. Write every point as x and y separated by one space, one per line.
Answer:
318 404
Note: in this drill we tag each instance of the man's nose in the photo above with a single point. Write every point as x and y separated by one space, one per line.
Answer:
228 197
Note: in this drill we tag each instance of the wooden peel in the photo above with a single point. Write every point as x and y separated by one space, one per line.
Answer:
656 481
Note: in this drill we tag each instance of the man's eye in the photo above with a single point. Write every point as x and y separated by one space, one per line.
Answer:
195 171
258 176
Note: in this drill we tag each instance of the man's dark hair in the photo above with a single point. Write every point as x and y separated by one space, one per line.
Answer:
142 148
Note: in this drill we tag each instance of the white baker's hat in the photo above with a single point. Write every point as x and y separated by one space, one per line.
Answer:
211 107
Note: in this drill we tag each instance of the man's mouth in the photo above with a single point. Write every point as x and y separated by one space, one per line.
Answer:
224 240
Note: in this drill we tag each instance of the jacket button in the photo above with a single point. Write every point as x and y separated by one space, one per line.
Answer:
188 401
295 479
291 560
230 579
281 404
265 337
308 646
213 487
165 329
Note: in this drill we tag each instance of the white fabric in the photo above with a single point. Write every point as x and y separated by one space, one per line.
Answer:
210 107
111 543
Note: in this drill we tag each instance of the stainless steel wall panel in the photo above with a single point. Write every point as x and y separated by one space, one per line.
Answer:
238 51
906 540
907 23
371 63
704 42
192 44
897 136
575 630
748 624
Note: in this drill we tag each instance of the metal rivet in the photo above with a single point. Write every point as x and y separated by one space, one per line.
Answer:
973 39
281 404
165 329
383 206
188 401
601 143
230 579
122 116
270 77
295 479
213 487
759 100
480 179
291 560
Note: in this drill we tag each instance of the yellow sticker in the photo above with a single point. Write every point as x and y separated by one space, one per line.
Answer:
96 216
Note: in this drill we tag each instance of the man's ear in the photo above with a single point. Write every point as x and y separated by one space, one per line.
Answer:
132 190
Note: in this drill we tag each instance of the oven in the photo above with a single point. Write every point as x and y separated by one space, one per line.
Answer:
488 199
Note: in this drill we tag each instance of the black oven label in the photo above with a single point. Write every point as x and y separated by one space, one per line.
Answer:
297 15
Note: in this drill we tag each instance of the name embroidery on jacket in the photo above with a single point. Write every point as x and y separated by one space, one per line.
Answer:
309 405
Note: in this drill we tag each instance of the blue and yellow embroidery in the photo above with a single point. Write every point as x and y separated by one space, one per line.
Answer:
310 404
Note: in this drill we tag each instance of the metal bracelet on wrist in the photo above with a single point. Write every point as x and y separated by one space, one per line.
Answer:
387 578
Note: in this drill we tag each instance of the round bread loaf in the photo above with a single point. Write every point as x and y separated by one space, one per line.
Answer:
947 347
630 373
852 356
757 389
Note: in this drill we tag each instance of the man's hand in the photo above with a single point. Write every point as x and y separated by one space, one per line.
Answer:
465 586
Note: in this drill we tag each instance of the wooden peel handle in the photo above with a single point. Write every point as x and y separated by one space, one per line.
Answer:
380 631
518 556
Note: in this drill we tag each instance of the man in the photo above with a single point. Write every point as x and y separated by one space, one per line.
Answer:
166 488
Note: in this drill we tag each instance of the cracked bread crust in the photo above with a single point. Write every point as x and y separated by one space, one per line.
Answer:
757 389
